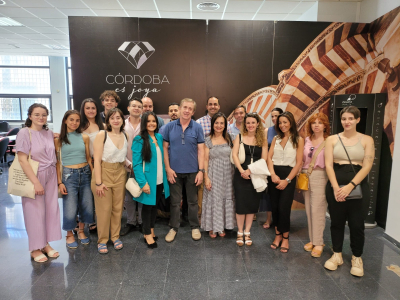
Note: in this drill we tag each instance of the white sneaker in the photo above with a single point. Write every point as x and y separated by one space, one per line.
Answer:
357 268
196 234
335 261
170 236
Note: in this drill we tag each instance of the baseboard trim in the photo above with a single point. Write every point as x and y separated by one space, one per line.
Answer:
392 240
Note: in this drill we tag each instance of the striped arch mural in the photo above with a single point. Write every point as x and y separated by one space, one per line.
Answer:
345 58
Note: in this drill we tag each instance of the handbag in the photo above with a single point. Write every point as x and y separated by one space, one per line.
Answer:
356 193
18 183
133 187
242 153
303 178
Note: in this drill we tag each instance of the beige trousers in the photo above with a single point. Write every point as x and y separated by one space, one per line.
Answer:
315 203
109 207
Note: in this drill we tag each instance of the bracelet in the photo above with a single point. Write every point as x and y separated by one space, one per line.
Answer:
355 185
98 184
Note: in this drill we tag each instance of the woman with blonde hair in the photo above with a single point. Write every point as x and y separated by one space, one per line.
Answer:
247 198
318 130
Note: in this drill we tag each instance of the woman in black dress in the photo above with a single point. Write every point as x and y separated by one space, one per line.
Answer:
247 198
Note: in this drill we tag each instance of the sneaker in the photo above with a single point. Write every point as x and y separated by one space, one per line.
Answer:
357 268
196 234
126 229
335 261
170 236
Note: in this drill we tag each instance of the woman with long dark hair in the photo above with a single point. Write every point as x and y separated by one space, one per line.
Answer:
109 178
74 175
218 210
270 132
284 162
246 196
91 124
349 156
318 129
42 214
149 169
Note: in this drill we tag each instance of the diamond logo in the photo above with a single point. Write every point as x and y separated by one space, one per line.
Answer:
136 52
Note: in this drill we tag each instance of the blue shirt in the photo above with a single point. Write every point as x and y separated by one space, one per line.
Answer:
183 145
233 130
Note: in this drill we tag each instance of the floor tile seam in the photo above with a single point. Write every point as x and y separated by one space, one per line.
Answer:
208 287
383 287
338 286
133 254
165 278
244 263
116 295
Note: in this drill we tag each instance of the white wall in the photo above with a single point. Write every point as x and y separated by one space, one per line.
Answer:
58 86
311 14
373 9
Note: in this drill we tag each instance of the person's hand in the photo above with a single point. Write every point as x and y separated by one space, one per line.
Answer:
246 174
39 190
56 135
199 178
207 183
275 178
282 184
100 190
146 188
63 189
171 175
343 192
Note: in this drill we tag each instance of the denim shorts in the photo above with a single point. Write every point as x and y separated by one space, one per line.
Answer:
79 200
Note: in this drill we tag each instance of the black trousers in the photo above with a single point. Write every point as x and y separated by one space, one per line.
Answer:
281 200
353 211
149 212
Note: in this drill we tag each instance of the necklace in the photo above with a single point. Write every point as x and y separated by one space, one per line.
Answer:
251 153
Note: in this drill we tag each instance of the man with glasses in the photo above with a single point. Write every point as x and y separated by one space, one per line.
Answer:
184 163
132 128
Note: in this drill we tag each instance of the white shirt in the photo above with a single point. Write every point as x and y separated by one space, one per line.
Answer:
159 167
112 154
284 156
132 132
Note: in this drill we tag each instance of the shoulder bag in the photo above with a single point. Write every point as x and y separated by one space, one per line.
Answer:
356 193
133 187
18 183
242 153
303 178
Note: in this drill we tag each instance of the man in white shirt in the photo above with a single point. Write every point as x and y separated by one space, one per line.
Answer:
132 127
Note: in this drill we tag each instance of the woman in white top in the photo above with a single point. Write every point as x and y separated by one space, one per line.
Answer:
108 181
91 124
284 161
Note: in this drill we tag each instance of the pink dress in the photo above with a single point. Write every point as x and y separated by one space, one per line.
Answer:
42 214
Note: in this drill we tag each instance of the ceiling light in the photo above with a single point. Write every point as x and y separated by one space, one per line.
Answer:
208 6
8 22
2 2
56 47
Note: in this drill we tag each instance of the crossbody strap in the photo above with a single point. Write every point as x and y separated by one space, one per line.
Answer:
312 163
347 155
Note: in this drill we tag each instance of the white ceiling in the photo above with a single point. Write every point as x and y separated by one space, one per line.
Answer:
46 21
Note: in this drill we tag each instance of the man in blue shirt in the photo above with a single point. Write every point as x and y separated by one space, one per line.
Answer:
184 163
235 127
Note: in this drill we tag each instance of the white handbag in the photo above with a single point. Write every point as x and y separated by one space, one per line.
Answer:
242 153
133 187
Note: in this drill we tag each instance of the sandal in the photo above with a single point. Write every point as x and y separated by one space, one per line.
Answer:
118 243
84 241
76 229
317 253
222 233
72 245
247 239
286 250
308 247
275 246
239 239
39 257
266 225
51 253
212 234
101 247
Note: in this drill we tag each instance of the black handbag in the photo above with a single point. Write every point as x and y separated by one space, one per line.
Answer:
356 193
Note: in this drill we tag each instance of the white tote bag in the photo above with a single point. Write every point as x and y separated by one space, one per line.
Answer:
18 183
133 187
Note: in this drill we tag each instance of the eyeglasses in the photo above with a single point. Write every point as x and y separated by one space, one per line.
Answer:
183 138
311 152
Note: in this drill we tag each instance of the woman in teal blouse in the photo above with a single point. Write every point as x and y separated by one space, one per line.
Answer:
148 167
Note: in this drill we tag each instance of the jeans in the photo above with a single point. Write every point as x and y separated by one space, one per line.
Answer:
79 199
187 180
149 212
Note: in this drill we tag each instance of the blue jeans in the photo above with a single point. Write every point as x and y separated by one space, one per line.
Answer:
79 199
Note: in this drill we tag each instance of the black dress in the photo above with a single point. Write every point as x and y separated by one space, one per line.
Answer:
247 198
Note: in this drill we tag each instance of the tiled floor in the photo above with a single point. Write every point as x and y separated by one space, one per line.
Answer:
186 269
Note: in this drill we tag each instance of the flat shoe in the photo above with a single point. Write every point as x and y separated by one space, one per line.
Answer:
308 247
102 247
85 241
117 243
52 253
39 257
73 245
317 253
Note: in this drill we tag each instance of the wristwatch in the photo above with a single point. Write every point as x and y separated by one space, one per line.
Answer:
202 170
288 180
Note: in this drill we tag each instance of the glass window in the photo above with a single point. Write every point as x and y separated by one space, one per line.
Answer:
69 81
10 60
26 102
24 81
10 109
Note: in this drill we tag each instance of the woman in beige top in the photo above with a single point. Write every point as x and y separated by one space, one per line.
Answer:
342 180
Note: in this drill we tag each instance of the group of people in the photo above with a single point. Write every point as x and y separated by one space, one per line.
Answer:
231 171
